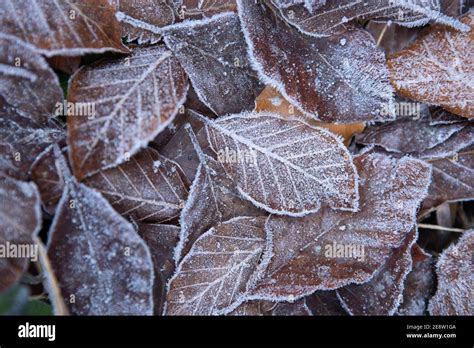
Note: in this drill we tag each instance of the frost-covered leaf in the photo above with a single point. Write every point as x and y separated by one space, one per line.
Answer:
455 278
199 9
161 240
284 166
148 187
382 294
219 268
265 308
48 177
20 222
97 257
63 27
339 79
418 284
142 20
132 98
438 68
439 116
272 101
333 248
213 53
213 198
330 16
409 135
325 303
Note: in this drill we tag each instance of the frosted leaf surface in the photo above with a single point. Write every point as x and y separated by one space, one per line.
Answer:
331 16
418 284
134 98
63 27
97 256
213 53
455 279
266 308
199 9
142 20
161 240
284 166
382 294
323 251
439 116
408 135
20 222
325 303
47 176
218 269
147 187
323 78
438 69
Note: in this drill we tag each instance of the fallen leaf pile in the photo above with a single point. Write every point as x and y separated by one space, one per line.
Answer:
281 157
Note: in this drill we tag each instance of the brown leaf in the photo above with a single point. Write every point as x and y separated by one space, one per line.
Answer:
142 20
161 240
93 250
213 53
306 252
213 198
284 166
63 27
271 101
328 17
339 79
325 303
454 272
20 222
382 294
220 267
437 68
147 188
68 65
133 99
418 284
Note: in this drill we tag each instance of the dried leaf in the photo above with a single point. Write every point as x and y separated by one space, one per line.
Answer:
20 222
161 240
418 284
147 188
68 28
438 68
271 101
439 116
455 279
284 166
199 9
382 294
392 38
213 198
68 65
307 251
142 20
340 79
134 98
98 258
219 268
325 303
328 17
213 53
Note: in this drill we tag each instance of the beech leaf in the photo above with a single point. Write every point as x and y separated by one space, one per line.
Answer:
339 79
454 271
284 166
213 53
20 222
438 68
63 27
134 99
148 187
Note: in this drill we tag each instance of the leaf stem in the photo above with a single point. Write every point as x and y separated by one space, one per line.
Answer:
441 228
